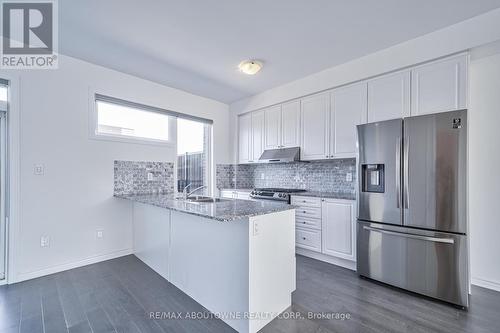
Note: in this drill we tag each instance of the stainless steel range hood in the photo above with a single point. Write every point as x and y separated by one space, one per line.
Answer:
280 155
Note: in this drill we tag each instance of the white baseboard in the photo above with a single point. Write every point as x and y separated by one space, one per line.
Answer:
70 265
486 283
329 259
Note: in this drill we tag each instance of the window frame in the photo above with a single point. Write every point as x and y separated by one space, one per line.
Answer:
93 124
210 165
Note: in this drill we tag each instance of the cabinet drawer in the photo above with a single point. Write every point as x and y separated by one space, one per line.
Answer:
308 239
310 212
308 222
306 201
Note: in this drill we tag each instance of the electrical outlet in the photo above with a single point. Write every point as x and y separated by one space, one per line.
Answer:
150 176
262 176
44 241
348 177
99 234
38 169
256 228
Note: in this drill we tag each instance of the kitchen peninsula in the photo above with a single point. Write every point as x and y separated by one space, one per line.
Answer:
234 257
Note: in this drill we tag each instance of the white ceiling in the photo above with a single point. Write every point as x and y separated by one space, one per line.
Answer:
196 45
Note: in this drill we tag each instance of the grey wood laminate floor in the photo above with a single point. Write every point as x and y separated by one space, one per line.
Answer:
118 296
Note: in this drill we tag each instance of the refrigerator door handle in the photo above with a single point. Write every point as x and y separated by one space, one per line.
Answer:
413 236
398 172
406 167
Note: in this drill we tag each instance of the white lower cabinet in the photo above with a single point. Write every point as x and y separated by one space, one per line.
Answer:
325 226
337 217
232 194
308 239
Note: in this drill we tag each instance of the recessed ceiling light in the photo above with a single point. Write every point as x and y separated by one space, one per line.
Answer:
250 67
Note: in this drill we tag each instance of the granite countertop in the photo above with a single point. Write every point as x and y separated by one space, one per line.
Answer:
329 195
224 211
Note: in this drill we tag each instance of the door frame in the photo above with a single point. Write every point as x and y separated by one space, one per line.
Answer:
12 172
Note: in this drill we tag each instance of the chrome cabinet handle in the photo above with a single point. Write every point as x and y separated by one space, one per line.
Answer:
413 236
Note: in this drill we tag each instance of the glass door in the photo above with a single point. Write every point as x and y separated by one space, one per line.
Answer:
3 182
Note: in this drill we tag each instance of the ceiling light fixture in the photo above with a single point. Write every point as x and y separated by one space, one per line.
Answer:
250 67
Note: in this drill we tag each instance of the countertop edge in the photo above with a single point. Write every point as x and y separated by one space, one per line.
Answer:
220 219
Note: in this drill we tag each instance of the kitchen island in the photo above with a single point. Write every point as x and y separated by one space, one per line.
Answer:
234 257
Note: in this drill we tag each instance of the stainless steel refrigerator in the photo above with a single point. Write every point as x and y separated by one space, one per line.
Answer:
412 212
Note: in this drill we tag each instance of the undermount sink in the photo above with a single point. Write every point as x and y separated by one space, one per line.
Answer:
203 199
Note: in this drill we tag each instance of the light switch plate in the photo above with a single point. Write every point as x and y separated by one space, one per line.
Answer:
38 169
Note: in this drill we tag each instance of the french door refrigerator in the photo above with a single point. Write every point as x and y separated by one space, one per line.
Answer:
412 215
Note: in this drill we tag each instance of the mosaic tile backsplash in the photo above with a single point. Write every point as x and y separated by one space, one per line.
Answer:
323 176
131 177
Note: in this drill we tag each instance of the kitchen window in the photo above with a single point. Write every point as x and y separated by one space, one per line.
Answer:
127 121
193 156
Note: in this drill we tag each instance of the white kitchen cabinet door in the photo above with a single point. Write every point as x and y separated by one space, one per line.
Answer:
439 86
243 195
244 137
337 226
229 194
314 115
389 97
257 136
273 127
349 108
290 124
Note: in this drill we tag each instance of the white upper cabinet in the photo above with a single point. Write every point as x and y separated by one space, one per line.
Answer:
244 138
290 124
273 127
439 86
257 135
348 109
337 225
314 115
389 97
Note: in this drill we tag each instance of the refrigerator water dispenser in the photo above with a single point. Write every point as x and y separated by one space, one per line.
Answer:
373 178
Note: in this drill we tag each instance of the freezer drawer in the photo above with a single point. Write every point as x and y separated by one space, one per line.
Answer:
429 263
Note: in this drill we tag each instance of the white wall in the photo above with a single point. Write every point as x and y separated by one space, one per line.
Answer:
484 160
75 196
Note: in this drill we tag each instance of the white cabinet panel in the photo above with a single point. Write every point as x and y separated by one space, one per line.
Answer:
257 146
243 195
338 228
227 194
314 117
389 97
439 86
151 235
273 127
349 108
290 124
308 239
244 137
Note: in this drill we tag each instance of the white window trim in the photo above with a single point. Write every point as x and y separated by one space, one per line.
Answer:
94 135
